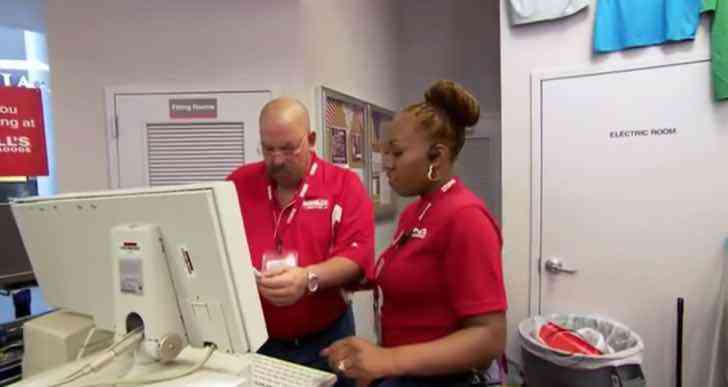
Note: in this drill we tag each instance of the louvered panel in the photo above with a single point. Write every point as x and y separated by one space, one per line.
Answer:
193 152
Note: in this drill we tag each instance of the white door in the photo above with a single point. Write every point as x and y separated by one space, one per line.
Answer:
177 138
631 190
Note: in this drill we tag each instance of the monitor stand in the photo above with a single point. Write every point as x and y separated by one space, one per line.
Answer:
144 294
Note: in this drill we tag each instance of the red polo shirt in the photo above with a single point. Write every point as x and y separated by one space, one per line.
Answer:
331 215
445 268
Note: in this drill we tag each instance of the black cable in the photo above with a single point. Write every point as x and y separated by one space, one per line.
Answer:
679 355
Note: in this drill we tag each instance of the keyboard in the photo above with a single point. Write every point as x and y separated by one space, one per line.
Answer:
271 372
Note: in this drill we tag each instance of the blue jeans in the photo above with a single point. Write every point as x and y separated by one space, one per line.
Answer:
305 351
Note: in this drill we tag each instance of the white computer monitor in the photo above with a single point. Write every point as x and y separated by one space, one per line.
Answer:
69 242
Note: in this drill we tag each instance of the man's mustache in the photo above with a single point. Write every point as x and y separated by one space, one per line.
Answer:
276 169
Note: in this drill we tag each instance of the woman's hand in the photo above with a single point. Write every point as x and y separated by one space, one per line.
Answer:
361 360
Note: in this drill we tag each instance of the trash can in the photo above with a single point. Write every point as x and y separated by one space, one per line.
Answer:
618 366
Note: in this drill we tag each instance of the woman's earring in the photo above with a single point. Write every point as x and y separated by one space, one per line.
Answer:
430 173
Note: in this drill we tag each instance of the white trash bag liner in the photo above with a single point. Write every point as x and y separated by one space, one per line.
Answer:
619 344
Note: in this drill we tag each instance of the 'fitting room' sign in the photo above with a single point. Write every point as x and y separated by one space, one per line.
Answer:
193 108
643 132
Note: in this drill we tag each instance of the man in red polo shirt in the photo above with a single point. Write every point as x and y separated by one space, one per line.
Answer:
310 230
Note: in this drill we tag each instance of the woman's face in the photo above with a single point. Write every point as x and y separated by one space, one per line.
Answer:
405 156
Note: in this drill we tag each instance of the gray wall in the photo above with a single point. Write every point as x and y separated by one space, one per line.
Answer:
457 40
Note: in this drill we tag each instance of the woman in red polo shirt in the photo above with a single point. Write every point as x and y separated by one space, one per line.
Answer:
440 283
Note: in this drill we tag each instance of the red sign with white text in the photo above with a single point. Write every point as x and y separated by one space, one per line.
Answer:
22 133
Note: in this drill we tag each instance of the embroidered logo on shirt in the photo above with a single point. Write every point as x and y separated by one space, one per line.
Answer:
419 233
317 204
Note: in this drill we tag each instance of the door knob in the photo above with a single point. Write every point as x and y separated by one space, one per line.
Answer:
555 265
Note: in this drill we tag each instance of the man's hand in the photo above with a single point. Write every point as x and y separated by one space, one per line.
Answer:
283 287
361 360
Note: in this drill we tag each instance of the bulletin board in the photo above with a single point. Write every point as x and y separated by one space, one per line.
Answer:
352 130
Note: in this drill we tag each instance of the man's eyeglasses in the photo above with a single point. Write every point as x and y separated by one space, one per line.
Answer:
287 150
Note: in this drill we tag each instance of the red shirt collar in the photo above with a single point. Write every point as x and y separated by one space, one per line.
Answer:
435 194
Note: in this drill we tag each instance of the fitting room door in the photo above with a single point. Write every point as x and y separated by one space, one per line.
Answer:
165 138
630 191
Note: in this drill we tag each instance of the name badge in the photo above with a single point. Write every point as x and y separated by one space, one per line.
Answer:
274 260
317 204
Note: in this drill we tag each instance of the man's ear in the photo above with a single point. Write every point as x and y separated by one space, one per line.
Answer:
311 138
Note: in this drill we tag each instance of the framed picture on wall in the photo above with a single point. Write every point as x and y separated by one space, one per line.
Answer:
338 146
352 130
344 130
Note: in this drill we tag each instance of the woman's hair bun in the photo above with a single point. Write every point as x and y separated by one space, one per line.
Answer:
459 104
